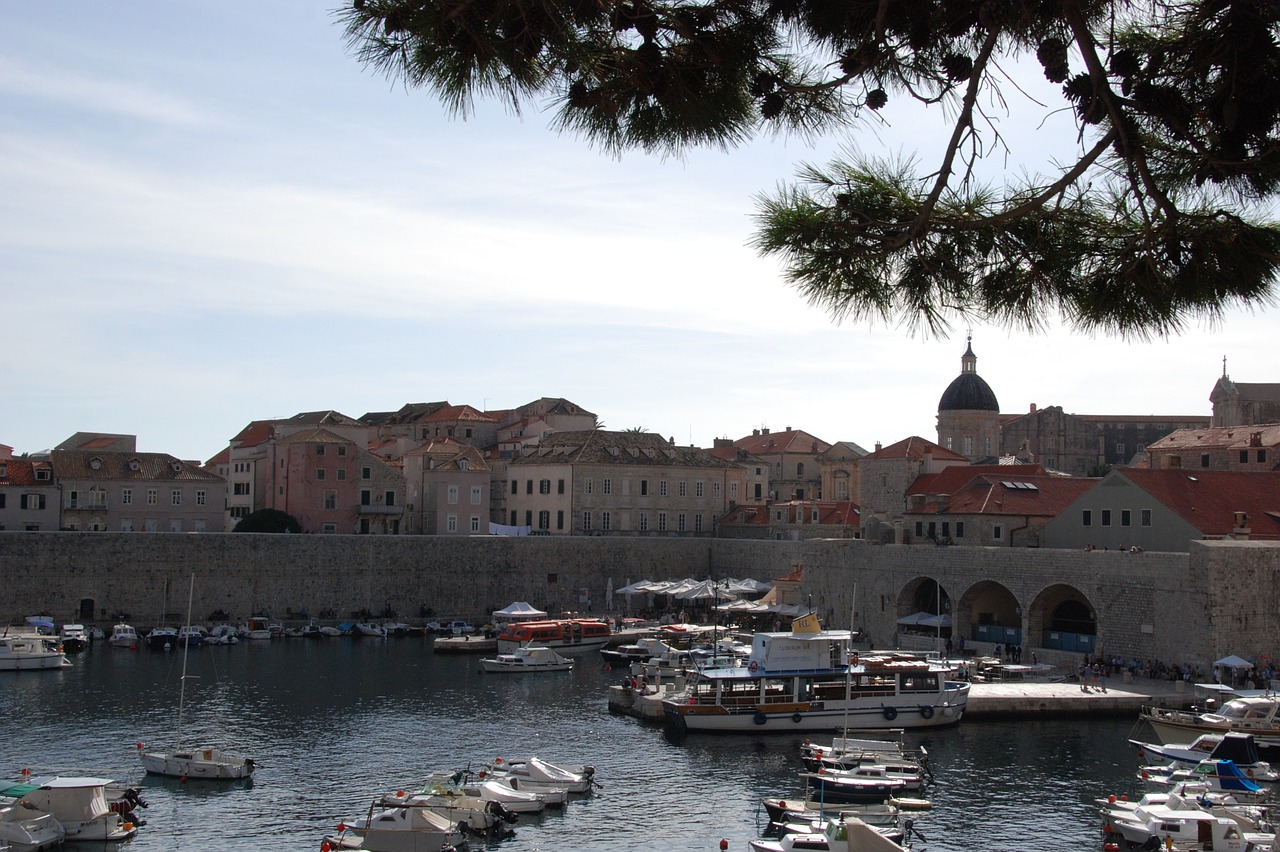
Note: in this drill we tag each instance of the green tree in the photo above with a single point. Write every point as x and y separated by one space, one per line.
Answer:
268 521
1156 222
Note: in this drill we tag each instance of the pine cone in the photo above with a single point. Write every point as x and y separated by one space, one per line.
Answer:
876 98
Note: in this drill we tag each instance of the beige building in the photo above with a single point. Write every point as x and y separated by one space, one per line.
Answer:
1249 449
840 471
619 484
106 485
1244 404
448 489
794 458
886 477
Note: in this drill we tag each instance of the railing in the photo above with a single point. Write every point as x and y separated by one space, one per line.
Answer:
88 505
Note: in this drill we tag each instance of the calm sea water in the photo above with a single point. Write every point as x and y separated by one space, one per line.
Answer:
336 722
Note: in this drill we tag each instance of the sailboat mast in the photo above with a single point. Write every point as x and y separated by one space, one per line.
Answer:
186 648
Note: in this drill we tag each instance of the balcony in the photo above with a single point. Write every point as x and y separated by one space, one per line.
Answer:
379 510
99 505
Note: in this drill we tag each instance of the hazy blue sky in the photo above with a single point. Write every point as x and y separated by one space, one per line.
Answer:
210 213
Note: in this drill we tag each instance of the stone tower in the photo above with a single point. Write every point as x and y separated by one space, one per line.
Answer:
968 413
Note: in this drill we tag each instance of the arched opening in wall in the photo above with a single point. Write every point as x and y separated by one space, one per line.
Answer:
86 610
1065 619
924 615
989 612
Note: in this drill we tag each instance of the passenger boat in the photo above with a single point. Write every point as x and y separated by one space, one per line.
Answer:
563 635
527 659
31 652
810 679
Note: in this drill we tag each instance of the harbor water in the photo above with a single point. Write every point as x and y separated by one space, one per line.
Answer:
334 723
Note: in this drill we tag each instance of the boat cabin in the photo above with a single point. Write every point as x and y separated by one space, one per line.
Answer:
568 631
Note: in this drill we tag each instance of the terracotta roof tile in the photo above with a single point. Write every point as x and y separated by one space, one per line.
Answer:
915 447
1209 499
1038 496
788 441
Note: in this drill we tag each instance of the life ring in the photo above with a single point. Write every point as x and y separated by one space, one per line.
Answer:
926 712
796 717
753 667
890 713
759 718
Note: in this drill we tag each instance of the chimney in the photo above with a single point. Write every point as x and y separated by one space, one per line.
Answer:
1241 530
1033 408
755 433
764 431
877 446
721 443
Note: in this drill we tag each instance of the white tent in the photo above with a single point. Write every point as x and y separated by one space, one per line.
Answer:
518 611
707 590
1233 662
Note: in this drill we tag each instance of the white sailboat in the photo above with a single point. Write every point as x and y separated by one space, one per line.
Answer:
193 762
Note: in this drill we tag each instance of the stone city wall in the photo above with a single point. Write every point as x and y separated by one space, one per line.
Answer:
1219 599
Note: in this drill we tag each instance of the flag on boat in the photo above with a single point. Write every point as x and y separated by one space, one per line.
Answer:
806 624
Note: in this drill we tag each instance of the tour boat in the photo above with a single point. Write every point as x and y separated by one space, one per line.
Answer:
810 679
29 651
563 635
527 659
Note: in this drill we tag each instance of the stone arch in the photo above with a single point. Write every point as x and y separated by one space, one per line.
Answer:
924 594
1062 617
990 612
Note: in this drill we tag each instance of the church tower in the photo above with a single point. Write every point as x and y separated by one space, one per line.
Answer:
968 413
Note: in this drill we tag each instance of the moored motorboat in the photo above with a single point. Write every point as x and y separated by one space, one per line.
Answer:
80 805
223 634
31 652
527 659
192 634
841 835
516 801
1251 714
162 639
123 636
399 828
539 776
862 784
1239 748
25 827
73 638
471 813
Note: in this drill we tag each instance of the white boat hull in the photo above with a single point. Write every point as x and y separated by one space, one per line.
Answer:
198 763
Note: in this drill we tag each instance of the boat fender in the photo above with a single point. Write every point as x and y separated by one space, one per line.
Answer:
796 717
890 713
926 712
759 718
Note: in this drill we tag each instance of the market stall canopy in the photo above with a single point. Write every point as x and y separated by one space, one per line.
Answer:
1233 662
518 611
925 619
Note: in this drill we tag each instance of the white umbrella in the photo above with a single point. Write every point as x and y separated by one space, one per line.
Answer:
1233 662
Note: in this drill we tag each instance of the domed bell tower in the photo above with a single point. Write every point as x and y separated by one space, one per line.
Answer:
968 413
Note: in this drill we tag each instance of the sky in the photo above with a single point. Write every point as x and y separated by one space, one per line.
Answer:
211 213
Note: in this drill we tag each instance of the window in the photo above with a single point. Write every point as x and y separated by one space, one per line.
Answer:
959 529
32 501
544 486
452 494
366 497
515 488
680 525
606 521
1204 459
606 486
662 488
1144 517
1087 518
968 445
319 449
920 529
946 529
319 473
477 495
390 498
684 488
175 525
1106 517
202 498
644 522
589 486
715 490
644 488
329 528
467 433
662 522
175 497
1244 457
342 450
544 520
586 520
560 486
842 490
733 491
799 469
451 523
560 519
997 532
342 472
239 489
697 522
126 494
366 473
1120 450
153 496
475 520
1262 456
331 499
1125 518
1175 461
528 486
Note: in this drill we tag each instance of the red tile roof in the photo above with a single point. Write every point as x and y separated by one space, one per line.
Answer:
993 494
915 447
790 441
1209 499
460 412
957 476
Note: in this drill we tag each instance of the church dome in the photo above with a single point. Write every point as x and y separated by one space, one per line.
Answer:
969 391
